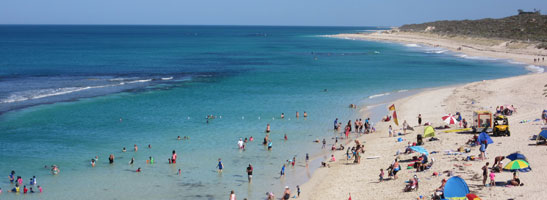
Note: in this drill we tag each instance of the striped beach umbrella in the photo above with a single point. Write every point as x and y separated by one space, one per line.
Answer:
449 119
516 165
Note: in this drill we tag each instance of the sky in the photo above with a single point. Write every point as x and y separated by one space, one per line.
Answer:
257 12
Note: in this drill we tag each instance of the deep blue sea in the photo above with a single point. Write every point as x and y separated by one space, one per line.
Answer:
70 93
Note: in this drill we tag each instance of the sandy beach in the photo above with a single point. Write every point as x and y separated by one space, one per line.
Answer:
527 93
520 52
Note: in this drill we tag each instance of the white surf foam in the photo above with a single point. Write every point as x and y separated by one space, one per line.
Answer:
535 69
412 45
167 78
378 95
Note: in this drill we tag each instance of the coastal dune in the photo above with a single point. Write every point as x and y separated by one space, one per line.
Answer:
526 93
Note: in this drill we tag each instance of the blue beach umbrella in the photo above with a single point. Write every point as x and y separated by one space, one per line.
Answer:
484 136
515 156
419 149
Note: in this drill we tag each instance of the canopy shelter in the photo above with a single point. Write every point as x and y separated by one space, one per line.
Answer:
429 131
455 188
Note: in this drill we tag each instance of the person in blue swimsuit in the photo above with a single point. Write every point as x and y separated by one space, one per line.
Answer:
283 170
220 166
12 176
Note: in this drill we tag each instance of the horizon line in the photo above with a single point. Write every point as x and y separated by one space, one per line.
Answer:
196 25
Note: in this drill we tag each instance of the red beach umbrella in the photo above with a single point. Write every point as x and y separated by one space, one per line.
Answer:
449 119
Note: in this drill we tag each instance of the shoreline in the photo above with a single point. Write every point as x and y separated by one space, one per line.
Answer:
337 181
431 103
514 52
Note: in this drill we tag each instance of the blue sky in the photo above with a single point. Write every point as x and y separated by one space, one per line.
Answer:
256 12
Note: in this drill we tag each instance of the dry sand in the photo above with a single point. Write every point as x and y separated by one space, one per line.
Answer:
528 93
521 52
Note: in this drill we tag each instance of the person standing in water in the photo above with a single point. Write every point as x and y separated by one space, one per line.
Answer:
268 128
111 159
282 170
324 143
220 166
174 157
250 172
305 114
282 115
132 160
297 114
232 195
12 176
135 148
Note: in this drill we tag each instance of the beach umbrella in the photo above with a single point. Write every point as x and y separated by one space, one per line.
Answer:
429 131
449 119
419 149
516 165
484 136
515 156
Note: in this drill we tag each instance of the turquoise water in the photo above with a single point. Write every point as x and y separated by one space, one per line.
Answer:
63 90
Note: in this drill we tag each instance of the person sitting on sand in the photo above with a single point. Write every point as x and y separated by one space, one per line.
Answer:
515 181
473 140
412 184
332 158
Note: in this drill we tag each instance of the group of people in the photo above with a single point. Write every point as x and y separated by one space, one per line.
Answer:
18 181
538 59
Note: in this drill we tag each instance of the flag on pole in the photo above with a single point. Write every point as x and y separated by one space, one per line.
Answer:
394 115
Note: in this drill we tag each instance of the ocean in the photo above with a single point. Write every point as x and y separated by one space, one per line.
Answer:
70 93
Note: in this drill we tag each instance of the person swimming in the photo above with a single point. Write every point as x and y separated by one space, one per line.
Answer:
138 170
92 162
123 150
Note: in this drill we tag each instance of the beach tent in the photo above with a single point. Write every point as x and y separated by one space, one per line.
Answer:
484 136
419 149
455 188
429 131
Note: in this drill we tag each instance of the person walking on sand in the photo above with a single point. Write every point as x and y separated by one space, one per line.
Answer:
324 143
419 119
336 124
405 125
250 172
484 173
282 171
390 130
